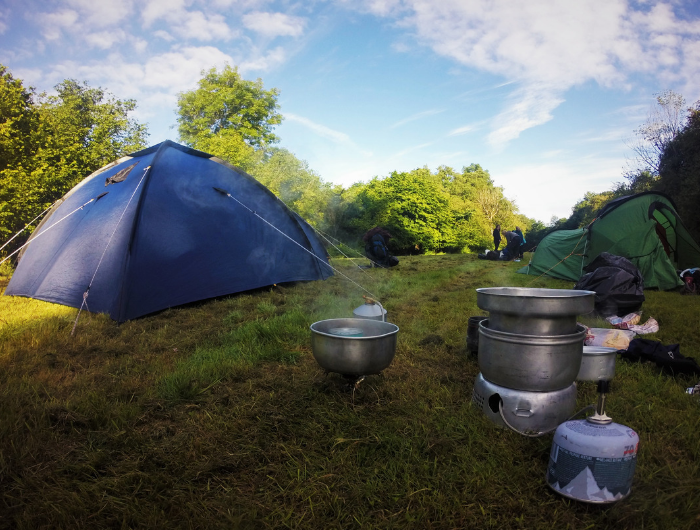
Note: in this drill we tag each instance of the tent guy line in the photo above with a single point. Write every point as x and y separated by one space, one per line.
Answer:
87 291
30 223
224 192
326 236
49 228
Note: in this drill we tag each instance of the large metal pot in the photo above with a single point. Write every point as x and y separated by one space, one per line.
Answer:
525 412
597 364
534 311
530 362
352 355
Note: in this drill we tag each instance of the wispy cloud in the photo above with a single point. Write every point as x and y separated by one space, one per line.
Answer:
465 129
417 116
546 48
321 130
409 150
275 24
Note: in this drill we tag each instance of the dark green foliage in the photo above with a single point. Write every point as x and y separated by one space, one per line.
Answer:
50 143
431 212
414 209
679 172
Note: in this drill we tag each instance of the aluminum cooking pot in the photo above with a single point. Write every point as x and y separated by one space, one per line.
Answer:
530 362
354 355
534 311
597 364
370 311
534 412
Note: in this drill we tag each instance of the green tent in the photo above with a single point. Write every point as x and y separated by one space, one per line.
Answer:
643 228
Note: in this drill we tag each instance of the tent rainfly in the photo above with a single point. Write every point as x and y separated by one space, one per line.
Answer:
162 227
644 228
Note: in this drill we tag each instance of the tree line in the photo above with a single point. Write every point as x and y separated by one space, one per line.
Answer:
49 143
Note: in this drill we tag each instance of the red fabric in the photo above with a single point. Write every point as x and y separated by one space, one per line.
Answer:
376 230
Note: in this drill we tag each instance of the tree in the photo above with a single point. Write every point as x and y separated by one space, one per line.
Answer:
679 170
664 122
228 116
17 119
414 208
298 187
64 137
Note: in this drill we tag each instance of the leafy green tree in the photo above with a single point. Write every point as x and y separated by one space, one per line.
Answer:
413 207
298 187
229 116
585 210
17 119
64 137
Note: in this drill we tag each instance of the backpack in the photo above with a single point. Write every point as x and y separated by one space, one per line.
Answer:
691 281
618 285
378 247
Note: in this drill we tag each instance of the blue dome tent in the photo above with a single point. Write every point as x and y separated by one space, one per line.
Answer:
163 227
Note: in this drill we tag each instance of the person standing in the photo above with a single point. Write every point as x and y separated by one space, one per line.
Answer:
522 243
496 237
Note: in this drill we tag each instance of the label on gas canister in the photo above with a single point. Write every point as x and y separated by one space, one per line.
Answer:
604 478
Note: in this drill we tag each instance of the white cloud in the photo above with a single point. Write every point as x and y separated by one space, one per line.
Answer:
275 24
4 15
410 150
166 9
464 129
53 23
273 58
197 25
529 107
160 78
186 24
417 116
549 47
140 45
105 39
161 34
321 130
101 14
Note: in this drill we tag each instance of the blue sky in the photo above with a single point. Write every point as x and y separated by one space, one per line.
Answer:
545 95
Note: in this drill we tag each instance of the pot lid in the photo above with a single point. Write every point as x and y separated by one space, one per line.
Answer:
369 310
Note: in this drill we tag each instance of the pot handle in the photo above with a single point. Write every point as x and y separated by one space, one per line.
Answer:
528 434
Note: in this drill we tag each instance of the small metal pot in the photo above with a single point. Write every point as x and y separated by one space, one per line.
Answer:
530 362
473 333
354 356
531 412
534 311
597 364
370 311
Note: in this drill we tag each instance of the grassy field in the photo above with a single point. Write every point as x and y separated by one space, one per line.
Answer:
216 415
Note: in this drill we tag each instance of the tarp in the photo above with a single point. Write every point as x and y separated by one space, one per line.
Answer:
644 228
161 231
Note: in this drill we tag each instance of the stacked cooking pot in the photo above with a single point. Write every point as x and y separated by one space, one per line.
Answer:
530 351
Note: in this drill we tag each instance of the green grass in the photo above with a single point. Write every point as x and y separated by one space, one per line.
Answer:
215 415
